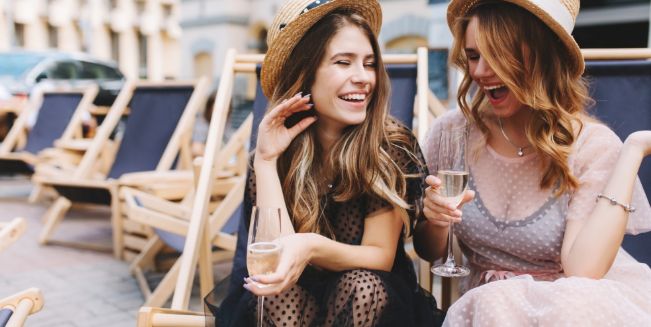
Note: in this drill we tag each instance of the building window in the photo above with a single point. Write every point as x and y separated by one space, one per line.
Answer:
115 46
142 55
19 32
52 36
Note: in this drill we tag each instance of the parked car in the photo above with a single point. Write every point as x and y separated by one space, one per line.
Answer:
21 71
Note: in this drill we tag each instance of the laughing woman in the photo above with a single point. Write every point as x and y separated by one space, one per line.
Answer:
541 228
346 177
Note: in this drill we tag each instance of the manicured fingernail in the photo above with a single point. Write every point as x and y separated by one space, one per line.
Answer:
300 94
246 286
310 105
254 279
307 96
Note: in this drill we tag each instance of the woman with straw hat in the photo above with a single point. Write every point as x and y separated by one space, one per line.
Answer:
345 175
541 228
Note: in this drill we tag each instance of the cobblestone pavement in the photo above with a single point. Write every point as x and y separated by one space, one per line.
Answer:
80 288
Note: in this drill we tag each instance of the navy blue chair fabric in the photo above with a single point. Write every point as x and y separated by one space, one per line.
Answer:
623 102
154 114
5 314
403 92
53 118
55 113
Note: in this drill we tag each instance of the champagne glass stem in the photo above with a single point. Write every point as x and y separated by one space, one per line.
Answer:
450 260
260 310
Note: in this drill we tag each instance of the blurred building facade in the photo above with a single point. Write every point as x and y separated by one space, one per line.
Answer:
142 36
211 27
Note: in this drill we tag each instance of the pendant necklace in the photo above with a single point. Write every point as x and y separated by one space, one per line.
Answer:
520 148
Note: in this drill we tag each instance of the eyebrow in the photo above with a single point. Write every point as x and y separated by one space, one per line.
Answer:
351 54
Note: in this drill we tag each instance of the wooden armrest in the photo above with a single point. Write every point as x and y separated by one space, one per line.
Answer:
73 145
146 178
11 231
29 301
159 317
135 198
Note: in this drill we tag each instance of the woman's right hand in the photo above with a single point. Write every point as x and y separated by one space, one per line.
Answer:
273 136
437 209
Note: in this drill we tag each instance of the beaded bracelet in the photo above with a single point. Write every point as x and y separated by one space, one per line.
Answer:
627 208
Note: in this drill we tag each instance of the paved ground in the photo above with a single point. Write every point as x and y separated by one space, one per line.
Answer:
80 288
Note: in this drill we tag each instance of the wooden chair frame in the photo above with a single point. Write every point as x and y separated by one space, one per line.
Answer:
156 212
22 304
88 172
26 302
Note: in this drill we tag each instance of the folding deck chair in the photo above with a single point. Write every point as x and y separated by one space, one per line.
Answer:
15 308
406 72
158 128
620 81
59 116
170 219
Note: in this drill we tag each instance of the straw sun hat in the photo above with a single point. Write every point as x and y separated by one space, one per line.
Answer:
294 19
558 15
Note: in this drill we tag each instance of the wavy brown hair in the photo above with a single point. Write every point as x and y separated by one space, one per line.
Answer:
534 64
359 161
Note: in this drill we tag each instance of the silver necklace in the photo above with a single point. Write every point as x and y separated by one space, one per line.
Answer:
520 148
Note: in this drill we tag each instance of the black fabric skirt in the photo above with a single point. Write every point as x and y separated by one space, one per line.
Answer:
348 298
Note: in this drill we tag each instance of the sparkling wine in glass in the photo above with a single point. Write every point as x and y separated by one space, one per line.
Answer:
263 253
453 173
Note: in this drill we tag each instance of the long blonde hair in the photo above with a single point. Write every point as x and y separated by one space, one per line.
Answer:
359 158
528 57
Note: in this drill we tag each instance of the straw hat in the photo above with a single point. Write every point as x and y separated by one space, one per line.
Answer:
559 15
294 19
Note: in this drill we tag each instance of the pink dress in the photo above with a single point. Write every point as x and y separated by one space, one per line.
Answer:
512 232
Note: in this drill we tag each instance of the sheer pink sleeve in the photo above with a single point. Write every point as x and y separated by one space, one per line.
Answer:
596 152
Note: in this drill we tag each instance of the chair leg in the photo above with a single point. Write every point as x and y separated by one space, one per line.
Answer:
206 278
146 257
165 288
53 217
116 223
36 194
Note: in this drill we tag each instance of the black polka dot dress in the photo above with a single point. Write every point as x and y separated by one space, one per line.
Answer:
350 298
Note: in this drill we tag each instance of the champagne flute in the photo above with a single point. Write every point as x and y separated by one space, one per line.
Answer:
263 253
453 173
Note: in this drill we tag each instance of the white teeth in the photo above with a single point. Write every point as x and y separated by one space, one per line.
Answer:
493 87
354 96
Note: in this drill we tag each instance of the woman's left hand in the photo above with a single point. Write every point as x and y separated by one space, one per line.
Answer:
295 255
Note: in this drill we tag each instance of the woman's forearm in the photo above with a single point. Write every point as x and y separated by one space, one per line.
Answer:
336 256
430 240
596 245
269 193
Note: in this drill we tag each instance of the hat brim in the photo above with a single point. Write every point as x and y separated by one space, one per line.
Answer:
459 8
292 33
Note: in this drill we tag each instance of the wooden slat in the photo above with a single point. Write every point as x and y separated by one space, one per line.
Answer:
134 242
616 54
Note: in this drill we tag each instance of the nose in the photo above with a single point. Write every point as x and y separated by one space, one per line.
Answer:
483 69
362 75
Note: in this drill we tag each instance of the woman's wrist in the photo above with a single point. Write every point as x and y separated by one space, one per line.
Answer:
311 244
260 162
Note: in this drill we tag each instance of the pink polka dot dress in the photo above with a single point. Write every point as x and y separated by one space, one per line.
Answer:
512 232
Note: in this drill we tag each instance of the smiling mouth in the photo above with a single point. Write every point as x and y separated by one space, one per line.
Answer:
496 92
354 97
